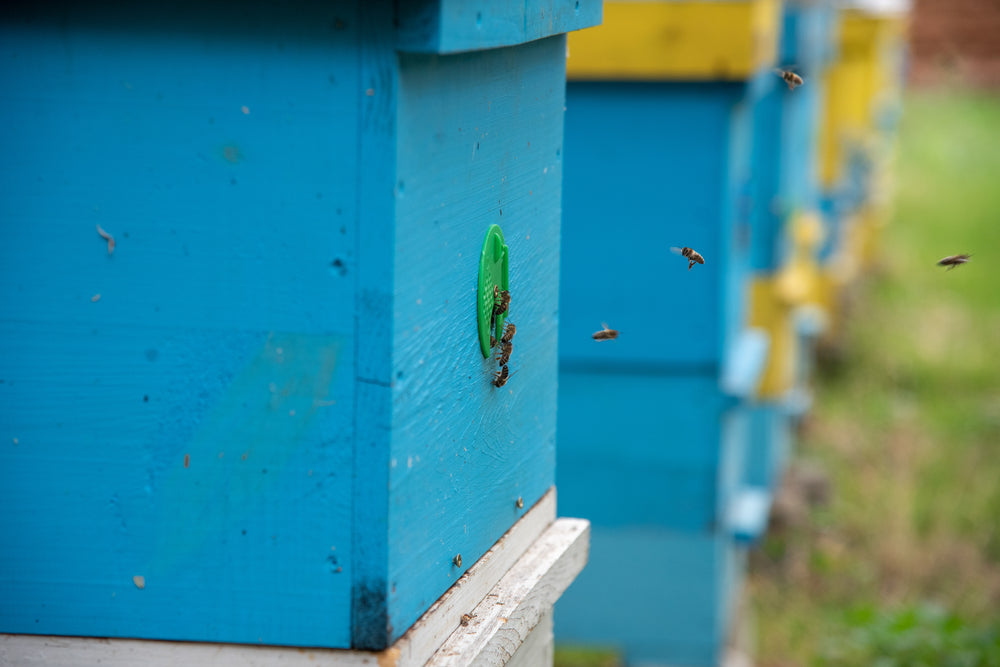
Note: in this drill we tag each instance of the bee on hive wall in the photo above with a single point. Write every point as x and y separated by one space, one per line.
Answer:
500 307
505 350
500 377
508 333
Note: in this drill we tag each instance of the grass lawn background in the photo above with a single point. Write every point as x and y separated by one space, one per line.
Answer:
903 564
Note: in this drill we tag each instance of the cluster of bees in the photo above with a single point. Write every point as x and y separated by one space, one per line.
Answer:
501 305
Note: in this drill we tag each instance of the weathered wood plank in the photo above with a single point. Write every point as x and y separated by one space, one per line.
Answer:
505 618
539 648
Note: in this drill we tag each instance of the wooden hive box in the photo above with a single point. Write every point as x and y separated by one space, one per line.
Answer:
787 233
265 417
653 427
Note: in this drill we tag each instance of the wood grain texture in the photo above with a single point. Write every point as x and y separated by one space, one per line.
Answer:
538 648
376 130
463 450
438 623
505 619
47 651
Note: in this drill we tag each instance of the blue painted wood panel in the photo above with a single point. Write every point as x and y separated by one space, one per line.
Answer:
666 597
453 26
655 165
648 450
652 439
268 404
770 444
176 428
786 136
463 450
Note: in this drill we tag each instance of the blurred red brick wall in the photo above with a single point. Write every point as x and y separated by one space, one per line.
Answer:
955 41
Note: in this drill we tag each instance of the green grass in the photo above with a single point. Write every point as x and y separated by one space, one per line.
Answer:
908 428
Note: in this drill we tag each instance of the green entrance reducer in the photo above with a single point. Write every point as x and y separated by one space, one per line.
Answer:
492 274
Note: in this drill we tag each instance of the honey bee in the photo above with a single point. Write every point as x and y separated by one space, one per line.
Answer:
508 333
505 350
691 254
500 377
791 78
605 333
951 261
503 304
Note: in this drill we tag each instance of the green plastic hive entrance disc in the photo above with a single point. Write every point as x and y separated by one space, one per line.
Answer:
492 274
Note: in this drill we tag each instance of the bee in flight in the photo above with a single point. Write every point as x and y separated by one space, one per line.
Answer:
691 254
791 78
500 377
605 333
951 261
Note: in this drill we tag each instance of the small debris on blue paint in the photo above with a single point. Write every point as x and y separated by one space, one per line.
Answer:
107 237
139 581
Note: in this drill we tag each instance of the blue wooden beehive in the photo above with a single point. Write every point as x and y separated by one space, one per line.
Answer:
786 234
653 427
265 417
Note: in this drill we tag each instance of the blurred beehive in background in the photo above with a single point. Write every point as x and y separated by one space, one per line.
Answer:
654 430
861 117
672 440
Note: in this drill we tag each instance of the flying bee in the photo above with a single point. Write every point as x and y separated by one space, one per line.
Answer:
791 78
691 254
951 261
605 333
508 333
505 350
500 377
